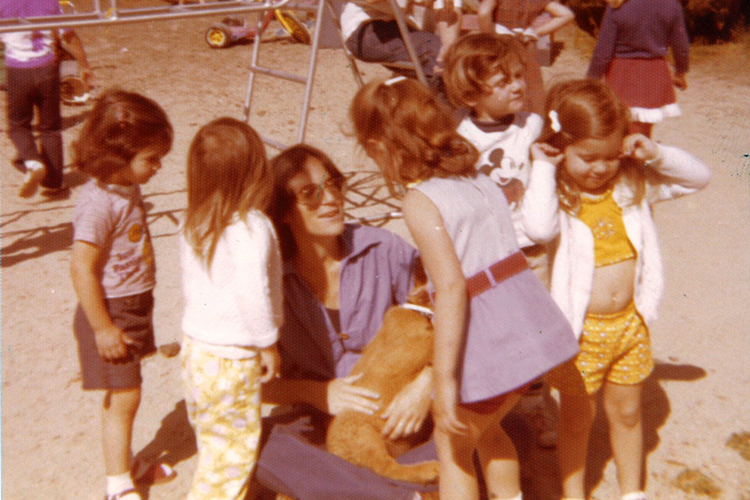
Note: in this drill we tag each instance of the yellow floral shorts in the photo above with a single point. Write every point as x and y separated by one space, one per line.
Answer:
223 402
614 347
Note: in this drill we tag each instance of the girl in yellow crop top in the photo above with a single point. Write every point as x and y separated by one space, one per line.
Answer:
601 173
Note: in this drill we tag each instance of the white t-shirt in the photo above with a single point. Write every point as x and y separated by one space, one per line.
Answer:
113 218
504 157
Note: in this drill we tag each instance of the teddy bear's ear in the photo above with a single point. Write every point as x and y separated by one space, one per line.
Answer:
419 294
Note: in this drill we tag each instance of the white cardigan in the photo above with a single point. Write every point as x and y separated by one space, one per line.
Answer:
675 173
238 301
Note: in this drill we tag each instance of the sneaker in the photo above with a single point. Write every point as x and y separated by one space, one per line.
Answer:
35 173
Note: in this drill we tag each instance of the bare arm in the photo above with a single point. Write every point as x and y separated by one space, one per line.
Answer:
441 262
86 275
331 397
73 45
448 28
486 16
409 409
561 15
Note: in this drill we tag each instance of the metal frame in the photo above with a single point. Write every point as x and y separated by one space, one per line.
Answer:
308 80
115 15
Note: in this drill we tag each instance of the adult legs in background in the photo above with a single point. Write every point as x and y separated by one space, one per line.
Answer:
50 127
381 42
29 88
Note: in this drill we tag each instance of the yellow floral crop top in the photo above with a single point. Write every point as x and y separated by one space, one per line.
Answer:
604 217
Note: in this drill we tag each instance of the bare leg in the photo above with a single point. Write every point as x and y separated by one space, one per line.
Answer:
458 479
641 128
118 415
622 404
499 458
576 416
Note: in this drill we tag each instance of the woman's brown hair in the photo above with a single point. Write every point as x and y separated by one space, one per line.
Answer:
286 165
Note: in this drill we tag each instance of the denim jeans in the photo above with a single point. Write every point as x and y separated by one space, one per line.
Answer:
30 88
380 41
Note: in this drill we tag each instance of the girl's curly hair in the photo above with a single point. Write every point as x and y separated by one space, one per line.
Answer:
120 125
576 110
416 132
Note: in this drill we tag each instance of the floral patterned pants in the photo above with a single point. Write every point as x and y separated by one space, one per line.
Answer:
223 403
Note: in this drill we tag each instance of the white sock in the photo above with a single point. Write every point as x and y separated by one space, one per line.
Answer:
636 495
119 483
33 165
517 497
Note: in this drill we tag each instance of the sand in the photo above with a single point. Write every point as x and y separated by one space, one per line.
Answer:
698 398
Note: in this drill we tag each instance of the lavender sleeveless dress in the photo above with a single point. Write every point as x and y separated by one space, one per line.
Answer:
515 332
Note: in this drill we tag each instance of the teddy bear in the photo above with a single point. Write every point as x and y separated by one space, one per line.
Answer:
395 356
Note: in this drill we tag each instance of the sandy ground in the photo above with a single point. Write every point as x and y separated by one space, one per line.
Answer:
698 398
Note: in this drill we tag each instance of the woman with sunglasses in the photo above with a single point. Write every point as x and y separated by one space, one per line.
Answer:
339 280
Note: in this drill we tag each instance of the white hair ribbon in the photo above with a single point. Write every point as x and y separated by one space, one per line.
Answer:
424 311
393 80
554 121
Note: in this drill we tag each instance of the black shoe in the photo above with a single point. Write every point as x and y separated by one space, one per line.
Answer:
56 193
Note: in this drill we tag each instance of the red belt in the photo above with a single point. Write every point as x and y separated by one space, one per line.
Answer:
496 273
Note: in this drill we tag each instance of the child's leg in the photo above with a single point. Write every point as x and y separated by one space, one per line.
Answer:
118 415
576 416
458 480
223 400
641 128
622 404
499 458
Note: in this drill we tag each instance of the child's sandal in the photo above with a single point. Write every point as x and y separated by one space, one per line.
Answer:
123 494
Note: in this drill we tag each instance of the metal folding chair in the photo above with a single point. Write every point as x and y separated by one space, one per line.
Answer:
323 8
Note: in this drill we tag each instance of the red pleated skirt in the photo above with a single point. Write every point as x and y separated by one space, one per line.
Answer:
645 85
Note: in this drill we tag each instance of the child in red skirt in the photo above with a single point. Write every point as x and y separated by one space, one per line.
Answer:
631 54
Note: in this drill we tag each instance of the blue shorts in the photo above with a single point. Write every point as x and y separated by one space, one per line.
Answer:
134 315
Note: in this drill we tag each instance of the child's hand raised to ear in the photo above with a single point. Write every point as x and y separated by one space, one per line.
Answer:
544 152
640 147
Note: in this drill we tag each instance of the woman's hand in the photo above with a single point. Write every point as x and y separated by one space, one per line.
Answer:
640 147
269 363
544 152
342 395
444 409
409 409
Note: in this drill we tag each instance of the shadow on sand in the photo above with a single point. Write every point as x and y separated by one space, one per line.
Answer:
540 478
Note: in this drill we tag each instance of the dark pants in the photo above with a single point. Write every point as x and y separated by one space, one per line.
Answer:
39 88
294 461
381 42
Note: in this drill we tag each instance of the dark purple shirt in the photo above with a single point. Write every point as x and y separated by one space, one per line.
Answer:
641 29
29 49
375 274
